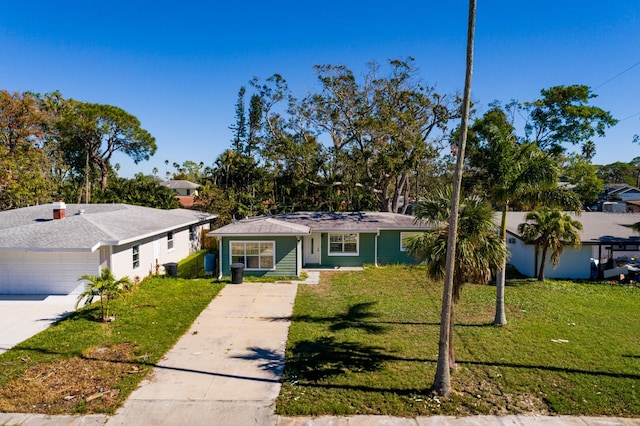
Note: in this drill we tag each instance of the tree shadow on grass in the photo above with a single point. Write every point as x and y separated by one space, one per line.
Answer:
552 368
357 316
89 313
361 317
325 357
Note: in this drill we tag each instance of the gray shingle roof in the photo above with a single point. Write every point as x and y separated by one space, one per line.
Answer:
598 226
179 184
262 226
33 228
320 222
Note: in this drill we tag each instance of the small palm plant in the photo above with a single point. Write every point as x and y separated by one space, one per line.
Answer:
479 249
105 287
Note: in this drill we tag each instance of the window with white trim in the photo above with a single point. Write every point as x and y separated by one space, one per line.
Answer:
404 239
169 240
135 250
343 244
254 255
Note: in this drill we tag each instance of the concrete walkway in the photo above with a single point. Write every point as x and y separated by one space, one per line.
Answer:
23 316
226 371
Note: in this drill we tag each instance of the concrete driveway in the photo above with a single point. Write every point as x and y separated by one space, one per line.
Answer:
22 316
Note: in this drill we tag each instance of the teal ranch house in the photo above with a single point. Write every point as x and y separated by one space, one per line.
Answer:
281 245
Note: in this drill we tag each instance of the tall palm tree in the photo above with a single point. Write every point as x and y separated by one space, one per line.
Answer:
479 249
550 229
514 173
442 380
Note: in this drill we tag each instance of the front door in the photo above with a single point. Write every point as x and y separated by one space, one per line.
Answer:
311 249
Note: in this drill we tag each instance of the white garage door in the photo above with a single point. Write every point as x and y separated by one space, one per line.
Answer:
45 273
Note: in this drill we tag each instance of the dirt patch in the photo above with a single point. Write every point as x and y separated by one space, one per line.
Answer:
78 385
487 397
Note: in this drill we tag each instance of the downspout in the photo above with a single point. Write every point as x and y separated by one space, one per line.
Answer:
298 256
220 257
375 258
599 260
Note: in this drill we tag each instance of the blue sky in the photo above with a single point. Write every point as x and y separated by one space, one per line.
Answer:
178 66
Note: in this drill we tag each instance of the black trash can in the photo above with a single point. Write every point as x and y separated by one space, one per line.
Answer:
172 269
236 273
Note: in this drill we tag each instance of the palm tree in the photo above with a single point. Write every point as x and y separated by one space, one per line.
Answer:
514 173
106 287
479 249
550 229
442 380
588 150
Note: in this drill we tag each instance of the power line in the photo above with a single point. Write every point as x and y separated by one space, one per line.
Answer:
617 75
631 116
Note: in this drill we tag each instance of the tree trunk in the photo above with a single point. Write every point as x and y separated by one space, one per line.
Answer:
543 261
501 318
442 381
104 171
452 355
407 189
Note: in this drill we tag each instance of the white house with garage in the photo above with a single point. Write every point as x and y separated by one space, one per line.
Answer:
44 249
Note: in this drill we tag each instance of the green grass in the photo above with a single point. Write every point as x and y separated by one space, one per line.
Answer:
193 265
150 320
367 342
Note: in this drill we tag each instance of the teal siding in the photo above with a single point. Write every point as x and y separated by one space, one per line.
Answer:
366 252
389 249
286 252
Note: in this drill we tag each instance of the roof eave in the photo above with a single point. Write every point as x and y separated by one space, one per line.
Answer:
254 234
50 250
154 233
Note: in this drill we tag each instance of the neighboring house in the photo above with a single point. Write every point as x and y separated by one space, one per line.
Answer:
184 190
622 191
44 249
282 245
605 236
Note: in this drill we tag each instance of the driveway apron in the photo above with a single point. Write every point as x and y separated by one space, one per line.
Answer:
226 369
23 316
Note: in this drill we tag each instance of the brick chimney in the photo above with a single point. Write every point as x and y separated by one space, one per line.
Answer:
59 210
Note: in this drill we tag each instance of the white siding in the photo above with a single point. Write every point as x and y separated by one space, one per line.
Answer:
181 246
574 263
522 256
122 258
45 272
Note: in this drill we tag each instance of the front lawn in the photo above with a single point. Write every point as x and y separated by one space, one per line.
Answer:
81 365
367 342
